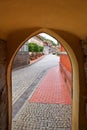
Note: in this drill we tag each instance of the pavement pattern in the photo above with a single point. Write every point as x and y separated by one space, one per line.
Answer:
52 89
23 78
37 116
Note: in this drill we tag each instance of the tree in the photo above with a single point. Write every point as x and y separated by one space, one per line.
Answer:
33 47
41 49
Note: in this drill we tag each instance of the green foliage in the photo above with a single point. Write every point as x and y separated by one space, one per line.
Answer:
33 47
53 43
58 53
40 49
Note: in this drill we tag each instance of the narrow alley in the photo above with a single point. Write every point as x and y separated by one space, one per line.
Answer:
40 97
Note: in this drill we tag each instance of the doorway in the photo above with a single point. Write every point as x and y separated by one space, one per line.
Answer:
67 48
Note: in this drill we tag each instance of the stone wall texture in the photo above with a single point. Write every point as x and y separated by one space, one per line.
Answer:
21 59
3 89
84 46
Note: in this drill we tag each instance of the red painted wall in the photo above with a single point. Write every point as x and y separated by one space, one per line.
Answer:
64 59
66 69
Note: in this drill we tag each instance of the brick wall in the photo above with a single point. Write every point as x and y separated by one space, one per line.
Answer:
66 69
21 59
3 90
64 59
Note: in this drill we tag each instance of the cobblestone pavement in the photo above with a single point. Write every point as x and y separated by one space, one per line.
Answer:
27 94
23 78
36 116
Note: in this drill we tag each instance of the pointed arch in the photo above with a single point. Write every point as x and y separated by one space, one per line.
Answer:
75 104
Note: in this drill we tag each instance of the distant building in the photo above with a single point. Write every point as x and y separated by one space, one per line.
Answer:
24 48
38 40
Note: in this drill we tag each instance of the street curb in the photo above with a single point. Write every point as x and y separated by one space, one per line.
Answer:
38 59
28 64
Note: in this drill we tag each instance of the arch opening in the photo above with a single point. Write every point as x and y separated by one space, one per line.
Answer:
75 76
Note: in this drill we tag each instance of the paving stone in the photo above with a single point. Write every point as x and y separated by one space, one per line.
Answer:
37 116
23 78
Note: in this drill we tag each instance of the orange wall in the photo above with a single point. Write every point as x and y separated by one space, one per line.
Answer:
64 59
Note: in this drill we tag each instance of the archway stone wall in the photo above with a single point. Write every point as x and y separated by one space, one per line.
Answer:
70 42
75 44
3 86
84 46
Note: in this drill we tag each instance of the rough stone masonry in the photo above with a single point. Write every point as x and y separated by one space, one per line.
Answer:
84 46
3 91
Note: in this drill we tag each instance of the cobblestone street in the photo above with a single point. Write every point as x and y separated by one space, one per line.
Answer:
36 116
23 78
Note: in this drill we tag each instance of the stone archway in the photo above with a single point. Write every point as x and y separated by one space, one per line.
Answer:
75 112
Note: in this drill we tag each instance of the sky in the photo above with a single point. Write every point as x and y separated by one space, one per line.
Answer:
49 37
